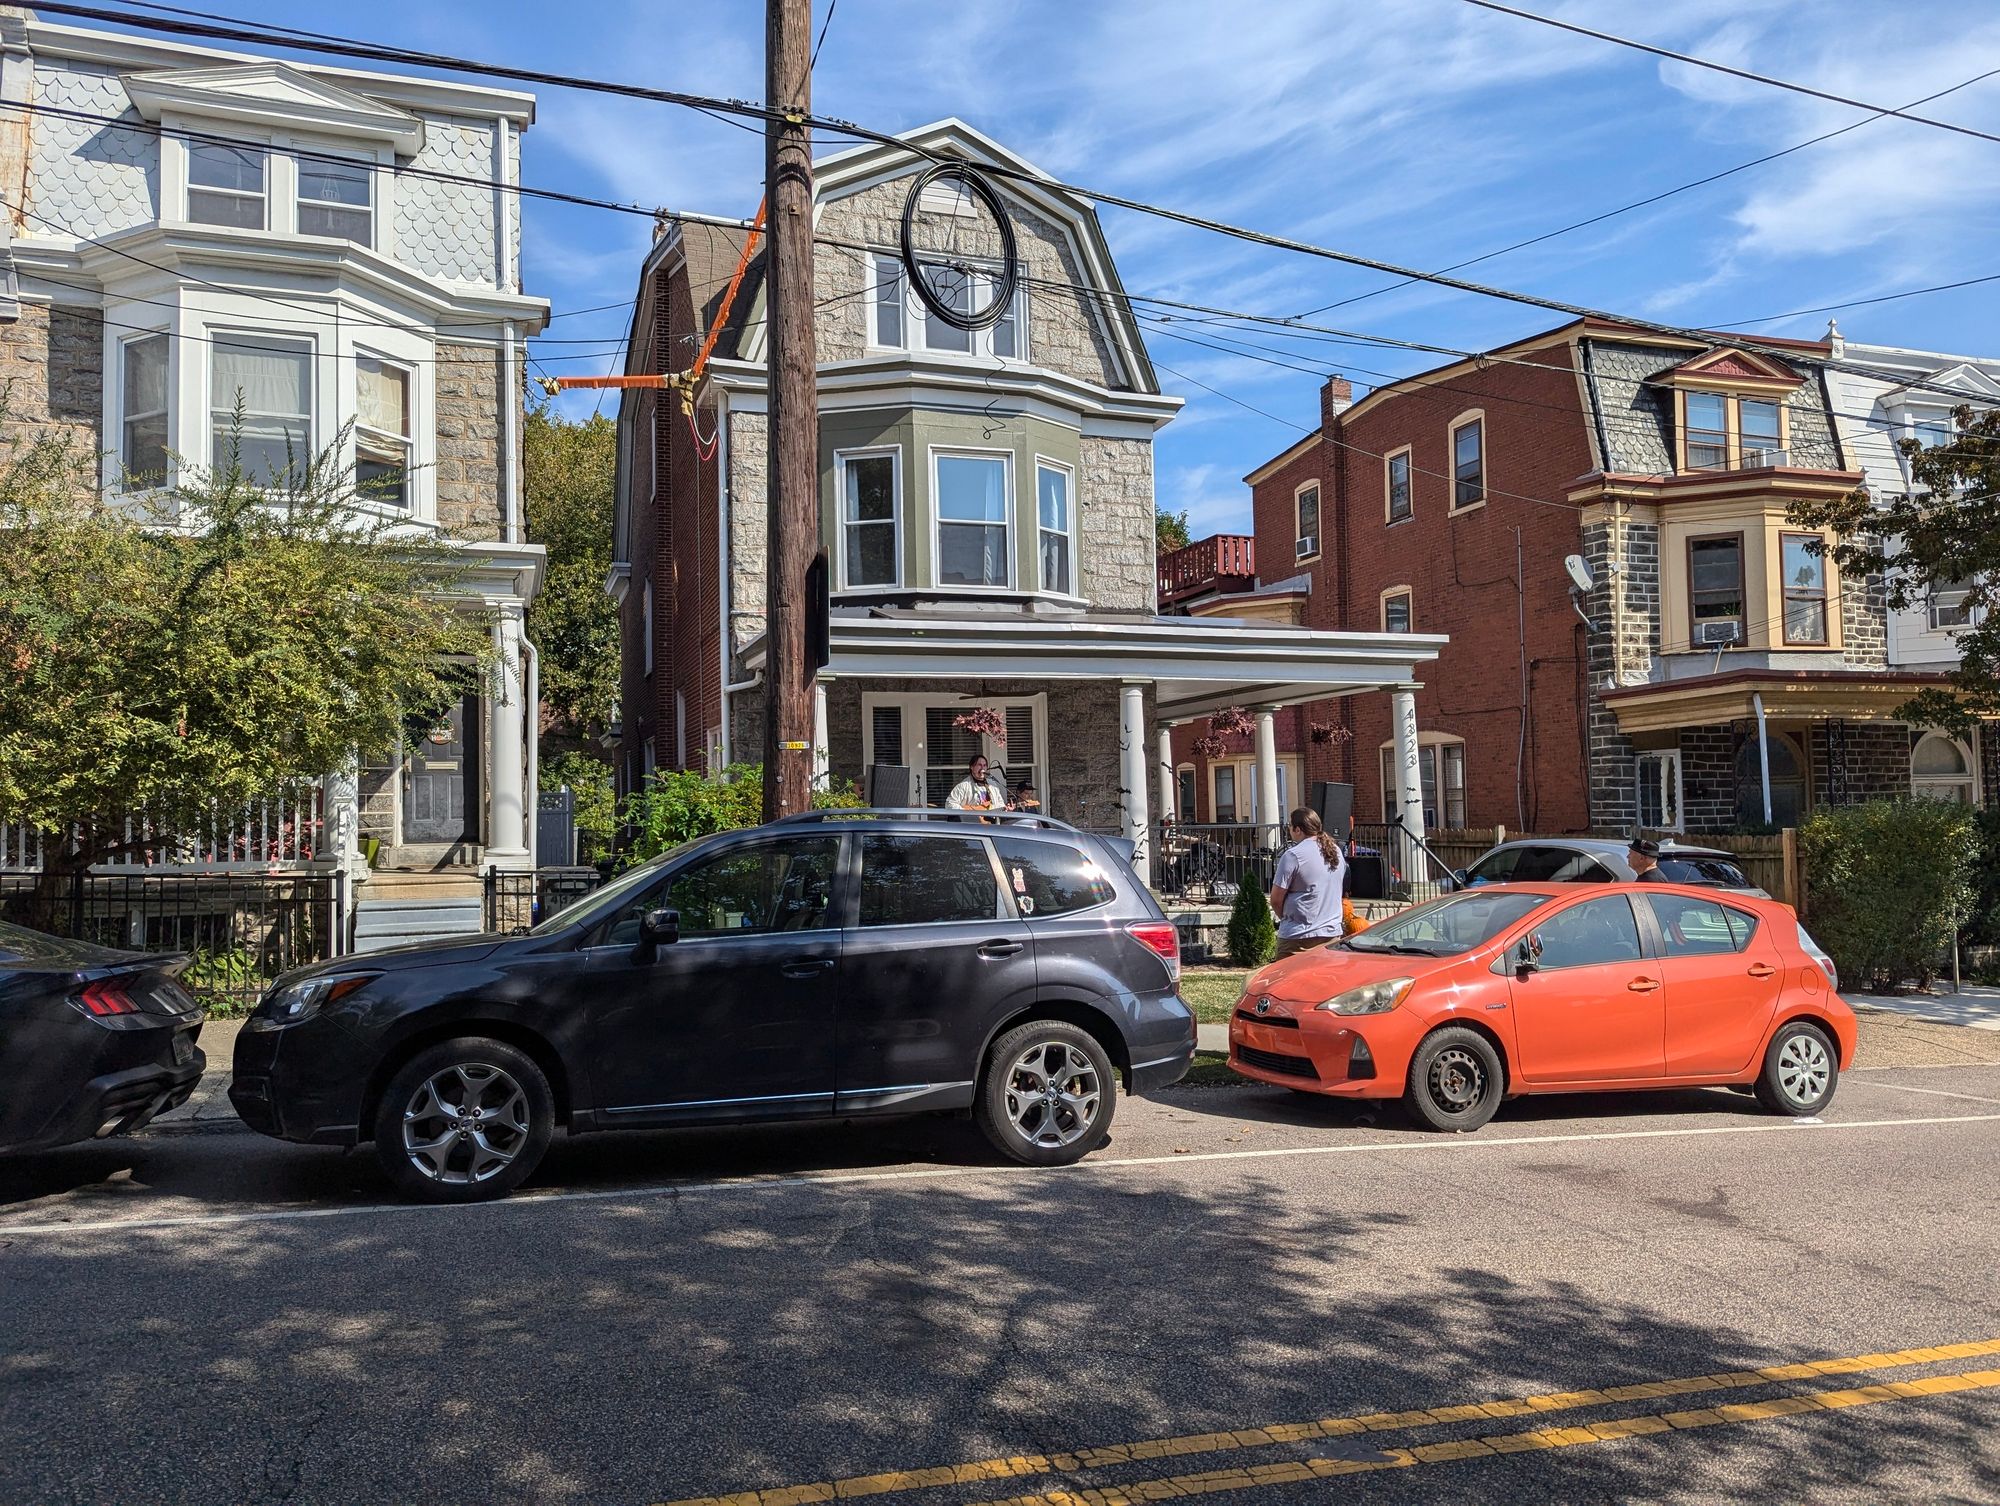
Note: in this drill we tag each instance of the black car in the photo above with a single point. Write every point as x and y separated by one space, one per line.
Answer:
836 964
92 1041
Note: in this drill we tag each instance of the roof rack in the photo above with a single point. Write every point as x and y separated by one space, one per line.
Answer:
925 813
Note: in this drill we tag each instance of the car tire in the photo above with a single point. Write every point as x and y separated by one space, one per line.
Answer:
1801 1070
1456 1080
435 1127
1046 1096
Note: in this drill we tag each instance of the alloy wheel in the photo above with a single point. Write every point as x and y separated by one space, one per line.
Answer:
1803 1068
465 1124
1457 1080
1053 1092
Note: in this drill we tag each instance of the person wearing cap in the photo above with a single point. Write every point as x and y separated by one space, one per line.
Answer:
1644 855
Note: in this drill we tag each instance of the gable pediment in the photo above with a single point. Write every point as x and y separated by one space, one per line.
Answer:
1727 367
274 95
1975 384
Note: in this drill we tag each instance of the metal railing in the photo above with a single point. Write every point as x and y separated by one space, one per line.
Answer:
240 931
1197 861
286 830
514 901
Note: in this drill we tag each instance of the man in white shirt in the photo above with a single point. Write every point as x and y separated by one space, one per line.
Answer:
978 790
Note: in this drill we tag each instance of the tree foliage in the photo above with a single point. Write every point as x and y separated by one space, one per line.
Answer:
1170 531
680 805
1944 531
1887 883
1253 930
170 658
589 780
570 496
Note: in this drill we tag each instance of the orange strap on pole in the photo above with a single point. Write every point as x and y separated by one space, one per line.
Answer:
655 379
729 297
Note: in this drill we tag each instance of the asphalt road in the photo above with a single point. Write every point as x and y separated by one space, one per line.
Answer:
209 1316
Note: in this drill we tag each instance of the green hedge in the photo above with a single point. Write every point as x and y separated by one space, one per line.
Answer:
1887 886
1253 933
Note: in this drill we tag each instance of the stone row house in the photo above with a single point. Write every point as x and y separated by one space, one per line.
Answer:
1718 673
986 506
188 229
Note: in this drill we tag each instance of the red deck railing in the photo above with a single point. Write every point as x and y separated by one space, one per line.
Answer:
1220 562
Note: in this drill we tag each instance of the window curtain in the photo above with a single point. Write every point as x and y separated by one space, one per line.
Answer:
274 380
382 397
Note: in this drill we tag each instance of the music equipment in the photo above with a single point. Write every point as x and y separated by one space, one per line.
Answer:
1334 804
889 786
1367 876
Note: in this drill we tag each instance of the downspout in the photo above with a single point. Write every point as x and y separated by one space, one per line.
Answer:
1763 753
722 463
1521 741
533 656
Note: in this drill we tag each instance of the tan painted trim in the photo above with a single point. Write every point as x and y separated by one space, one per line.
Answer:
1668 707
1382 607
1695 487
1465 420
1406 454
1732 425
1284 458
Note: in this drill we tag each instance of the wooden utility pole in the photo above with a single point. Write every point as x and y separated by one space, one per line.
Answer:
792 492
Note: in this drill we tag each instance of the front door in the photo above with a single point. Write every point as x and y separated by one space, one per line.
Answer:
1723 976
736 1019
437 777
1594 1007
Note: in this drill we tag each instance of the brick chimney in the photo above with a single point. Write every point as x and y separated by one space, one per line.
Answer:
1337 396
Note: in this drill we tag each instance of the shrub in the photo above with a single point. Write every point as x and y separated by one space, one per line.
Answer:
1887 885
678 806
1253 933
1984 925
589 780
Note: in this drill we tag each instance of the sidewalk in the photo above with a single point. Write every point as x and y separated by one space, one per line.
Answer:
1976 1006
209 1105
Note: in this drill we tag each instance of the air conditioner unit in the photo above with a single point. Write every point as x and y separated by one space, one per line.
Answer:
1759 459
1709 634
1308 546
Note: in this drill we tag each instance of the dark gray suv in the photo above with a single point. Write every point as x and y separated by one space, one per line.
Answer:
831 965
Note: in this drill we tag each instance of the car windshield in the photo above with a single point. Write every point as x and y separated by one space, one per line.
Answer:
1446 927
1693 870
602 902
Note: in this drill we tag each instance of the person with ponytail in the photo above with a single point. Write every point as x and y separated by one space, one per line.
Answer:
1306 890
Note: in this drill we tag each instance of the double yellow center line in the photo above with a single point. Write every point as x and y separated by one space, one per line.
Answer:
1290 1471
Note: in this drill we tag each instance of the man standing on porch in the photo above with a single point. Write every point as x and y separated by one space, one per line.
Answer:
978 790
1305 891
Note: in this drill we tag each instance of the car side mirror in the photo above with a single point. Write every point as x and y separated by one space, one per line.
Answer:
660 927
1528 953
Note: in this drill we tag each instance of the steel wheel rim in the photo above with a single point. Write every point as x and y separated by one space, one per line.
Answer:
1456 1080
1804 1069
465 1124
1053 1094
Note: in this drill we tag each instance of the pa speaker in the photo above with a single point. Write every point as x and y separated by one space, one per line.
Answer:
1334 804
889 786
1367 876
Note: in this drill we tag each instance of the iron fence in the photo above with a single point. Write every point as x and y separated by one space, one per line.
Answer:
240 931
517 900
1209 861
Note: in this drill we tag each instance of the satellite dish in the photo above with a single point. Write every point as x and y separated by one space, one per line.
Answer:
1579 572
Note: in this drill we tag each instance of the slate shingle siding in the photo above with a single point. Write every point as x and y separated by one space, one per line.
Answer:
1638 410
447 229
91 179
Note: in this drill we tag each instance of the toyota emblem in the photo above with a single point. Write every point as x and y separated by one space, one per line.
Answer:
1264 1004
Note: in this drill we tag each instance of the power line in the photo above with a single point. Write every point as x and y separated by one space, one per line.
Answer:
1742 73
825 26
1828 308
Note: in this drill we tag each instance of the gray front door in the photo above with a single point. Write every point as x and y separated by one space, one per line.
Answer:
438 778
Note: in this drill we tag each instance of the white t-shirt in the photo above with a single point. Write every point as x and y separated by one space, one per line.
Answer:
1312 891
968 796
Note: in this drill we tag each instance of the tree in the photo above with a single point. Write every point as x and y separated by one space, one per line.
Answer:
1170 531
1943 532
571 476
1253 931
168 659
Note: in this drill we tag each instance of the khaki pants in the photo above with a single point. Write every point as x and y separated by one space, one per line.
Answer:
1287 945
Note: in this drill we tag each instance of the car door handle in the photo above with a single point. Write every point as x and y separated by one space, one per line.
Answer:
1761 970
998 949
805 967
1643 985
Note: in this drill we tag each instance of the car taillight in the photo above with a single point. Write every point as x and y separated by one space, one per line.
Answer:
1161 938
101 999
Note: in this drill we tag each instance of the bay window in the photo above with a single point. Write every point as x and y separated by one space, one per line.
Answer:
1804 585
889 304
972 493
1053 519
382 441
142 451
336 199
1715 590
260 409
870 483
225 186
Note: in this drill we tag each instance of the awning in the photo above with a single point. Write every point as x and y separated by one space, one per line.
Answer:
1197 665
1793 695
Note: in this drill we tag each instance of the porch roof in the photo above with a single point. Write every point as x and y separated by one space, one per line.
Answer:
1797 695
1197 665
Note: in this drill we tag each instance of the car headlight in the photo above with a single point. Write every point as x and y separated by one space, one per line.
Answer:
297 1002
1369 998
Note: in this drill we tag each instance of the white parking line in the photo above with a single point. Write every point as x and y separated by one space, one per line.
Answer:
525 1202
1904 1087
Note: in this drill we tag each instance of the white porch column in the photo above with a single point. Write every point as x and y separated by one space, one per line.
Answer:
822 751
1133 821
1409 785
1270 819
507 747
1167 792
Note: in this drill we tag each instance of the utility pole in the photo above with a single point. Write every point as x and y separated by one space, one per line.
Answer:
792 491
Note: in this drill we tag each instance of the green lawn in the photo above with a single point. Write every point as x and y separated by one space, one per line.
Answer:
1213 991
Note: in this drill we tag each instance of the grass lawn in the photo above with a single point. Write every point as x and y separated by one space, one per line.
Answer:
1213 991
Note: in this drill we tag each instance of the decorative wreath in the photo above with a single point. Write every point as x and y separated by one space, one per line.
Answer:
983 721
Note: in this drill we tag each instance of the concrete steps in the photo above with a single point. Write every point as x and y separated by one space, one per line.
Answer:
394 908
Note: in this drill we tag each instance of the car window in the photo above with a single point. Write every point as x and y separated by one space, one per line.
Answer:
1445 927
744 891
1700 927
1590 934
1540 865
1703 871
1051 878
923 880
1497 867
1582 869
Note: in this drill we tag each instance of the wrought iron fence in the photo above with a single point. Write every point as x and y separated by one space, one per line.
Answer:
239 931
1208 861
516 901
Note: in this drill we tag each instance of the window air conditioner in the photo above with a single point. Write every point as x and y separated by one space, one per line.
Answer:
1309 545
1709 634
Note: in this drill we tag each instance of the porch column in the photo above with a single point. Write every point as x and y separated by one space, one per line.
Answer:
1409 785
1270 819
507 750
1167 792
1133 821
822 756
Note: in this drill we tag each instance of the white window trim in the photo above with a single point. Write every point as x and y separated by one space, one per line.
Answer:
937 520
1470 416
915 315
281 174
189 188
1970 779
1300 554
115 416
1670 761
408 441
1382 616
840 460
1407 454
1068 473
1974 615
1243 769
316 396
915 735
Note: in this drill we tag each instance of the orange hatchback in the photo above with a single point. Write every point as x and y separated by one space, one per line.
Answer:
1457 1003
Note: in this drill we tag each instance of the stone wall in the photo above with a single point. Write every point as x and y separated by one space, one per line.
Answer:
1708 778
52 371
1852 762
1864 622
1117 570
1625 605
749 531
469 395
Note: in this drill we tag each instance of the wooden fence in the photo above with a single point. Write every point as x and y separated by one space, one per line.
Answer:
1769 862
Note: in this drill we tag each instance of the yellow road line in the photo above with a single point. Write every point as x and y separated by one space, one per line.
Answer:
892 1481
1291 1472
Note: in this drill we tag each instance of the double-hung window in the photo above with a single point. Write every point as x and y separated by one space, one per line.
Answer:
889 308
260 408
225 185
382 431
336 199
1396 612
899 320
142 452
1805 588
1707 436
972 493
1757 431
869 505
1397 471
1715 590
1950 604
1053 525
1441 777
1468 463
1305 502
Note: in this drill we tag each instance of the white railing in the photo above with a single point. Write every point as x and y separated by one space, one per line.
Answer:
288 830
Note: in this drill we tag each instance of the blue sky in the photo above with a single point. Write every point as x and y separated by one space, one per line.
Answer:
1420 132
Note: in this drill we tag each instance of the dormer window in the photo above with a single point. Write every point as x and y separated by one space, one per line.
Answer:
1707 431
226 186
899 320
336 199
